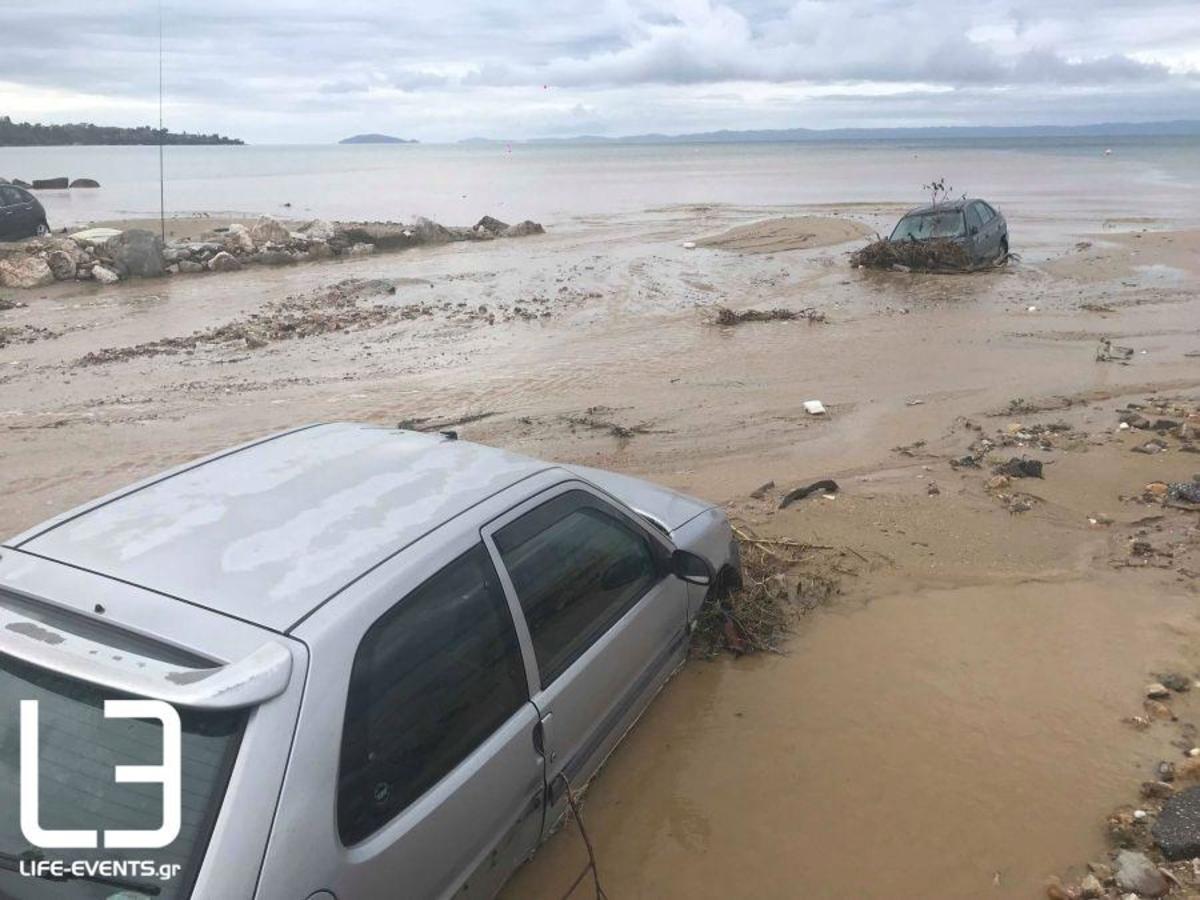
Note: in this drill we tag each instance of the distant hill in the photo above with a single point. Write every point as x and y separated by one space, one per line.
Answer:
375 139
1107 129
26 134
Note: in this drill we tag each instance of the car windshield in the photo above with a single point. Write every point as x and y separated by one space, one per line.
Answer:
79 750
923 226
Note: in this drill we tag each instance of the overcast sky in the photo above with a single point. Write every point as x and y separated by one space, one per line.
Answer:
301 71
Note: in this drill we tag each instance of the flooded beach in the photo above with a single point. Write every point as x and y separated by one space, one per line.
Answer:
950 723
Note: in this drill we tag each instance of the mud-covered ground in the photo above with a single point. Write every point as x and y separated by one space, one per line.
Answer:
950 725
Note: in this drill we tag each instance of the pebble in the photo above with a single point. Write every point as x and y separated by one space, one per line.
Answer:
1158 710
1090 887
1156 691
1137 874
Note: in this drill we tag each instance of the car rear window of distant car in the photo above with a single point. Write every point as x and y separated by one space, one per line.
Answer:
78 751
432 680
923 226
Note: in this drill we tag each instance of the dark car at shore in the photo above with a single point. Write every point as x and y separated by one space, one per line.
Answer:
21 215
973 224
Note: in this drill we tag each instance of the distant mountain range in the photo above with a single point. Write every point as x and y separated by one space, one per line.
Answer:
27 134
1187 127
374 139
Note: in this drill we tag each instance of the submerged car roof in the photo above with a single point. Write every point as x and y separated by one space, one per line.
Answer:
269 531
945 206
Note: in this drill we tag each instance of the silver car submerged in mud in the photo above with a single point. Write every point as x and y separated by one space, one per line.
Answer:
389 653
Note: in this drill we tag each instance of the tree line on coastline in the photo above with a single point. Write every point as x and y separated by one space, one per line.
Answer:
27 134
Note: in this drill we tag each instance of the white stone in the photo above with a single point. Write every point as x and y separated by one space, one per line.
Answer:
814 407
105 275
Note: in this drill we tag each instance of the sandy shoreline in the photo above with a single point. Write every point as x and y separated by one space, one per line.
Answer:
952 722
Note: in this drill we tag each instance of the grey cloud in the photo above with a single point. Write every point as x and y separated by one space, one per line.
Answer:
617 65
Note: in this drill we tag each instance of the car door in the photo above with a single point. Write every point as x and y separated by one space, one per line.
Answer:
989 231
976 238
601 618
441 785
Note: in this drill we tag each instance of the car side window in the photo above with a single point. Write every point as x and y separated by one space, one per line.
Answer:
985 212
577 565
9 196
432 680
973 218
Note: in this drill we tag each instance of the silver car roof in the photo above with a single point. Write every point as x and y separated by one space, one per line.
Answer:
269 531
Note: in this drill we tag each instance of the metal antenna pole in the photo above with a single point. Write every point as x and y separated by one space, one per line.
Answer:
162 200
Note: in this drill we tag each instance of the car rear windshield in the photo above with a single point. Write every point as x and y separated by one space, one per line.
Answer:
78 751
924 226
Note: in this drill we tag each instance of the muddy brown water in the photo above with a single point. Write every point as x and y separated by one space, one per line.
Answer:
949 727
929 742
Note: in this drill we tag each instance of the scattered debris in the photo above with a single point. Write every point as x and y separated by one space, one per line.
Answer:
938 255
1110 352
1020 468
827 486
780 580
728 317
336 308
814 407
909 449
763 490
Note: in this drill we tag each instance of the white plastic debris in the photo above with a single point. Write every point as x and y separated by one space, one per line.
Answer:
814 407
1124 426
1139 814
1031 309
1194 752
689 245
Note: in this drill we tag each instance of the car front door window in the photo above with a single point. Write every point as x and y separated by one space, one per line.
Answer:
577 565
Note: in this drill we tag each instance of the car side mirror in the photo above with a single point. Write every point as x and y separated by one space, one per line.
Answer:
691 568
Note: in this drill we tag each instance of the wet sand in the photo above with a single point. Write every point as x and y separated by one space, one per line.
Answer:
950 725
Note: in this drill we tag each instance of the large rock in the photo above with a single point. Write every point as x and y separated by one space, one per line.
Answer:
224 262
491 225
190 266
238 240
136 253
524 229
427 231
85 183
319 230
1136 873
94 237
1177 831
61 264
25 272
51 184
269 231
